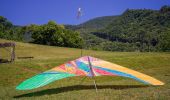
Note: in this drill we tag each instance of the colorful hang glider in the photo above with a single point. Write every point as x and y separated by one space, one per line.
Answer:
85 66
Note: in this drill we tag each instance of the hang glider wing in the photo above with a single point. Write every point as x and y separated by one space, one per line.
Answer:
70 69
81 67
101 67
41 80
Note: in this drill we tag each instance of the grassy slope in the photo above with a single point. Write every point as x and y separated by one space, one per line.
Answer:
46 57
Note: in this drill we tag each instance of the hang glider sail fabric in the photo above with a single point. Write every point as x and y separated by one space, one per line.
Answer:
85 66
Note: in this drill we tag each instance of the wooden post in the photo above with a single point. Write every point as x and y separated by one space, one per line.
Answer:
13 53
81 51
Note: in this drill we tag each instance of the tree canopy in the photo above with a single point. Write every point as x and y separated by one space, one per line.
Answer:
47 34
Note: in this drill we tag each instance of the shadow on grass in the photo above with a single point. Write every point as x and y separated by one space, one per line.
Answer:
78 87
4 61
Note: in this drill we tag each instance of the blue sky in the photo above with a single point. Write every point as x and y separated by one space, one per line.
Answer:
25 12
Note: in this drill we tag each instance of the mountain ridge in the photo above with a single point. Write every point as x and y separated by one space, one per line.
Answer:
141 29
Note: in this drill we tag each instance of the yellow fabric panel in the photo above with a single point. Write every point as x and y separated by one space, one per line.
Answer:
139 75
58 69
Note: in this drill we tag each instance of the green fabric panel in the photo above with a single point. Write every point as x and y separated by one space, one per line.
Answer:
41 80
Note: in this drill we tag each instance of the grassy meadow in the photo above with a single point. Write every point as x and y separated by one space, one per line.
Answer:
45 57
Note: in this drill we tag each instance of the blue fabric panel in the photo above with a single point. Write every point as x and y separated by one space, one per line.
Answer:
83 66
122 74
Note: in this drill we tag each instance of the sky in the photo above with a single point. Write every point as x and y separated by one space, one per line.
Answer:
25 12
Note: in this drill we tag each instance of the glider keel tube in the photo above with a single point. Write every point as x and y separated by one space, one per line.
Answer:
42 79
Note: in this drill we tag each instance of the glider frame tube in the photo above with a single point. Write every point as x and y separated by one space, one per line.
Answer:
92 73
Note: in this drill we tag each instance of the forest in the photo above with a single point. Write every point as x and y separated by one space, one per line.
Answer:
142 30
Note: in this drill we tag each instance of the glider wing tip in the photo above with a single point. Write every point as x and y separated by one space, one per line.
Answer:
22 89
19 88
162 84
159 84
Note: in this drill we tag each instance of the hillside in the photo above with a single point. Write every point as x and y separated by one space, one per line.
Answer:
93 24
134 30
143 29
46 57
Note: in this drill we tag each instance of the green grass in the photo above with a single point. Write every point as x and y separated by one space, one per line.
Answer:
45 57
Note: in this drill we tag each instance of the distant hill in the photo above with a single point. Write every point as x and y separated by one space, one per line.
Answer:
134 30
93 24
147 30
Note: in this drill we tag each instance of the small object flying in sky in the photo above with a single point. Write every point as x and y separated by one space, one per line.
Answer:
79 13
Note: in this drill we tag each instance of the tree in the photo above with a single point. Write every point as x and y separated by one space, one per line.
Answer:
56 35
165 41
